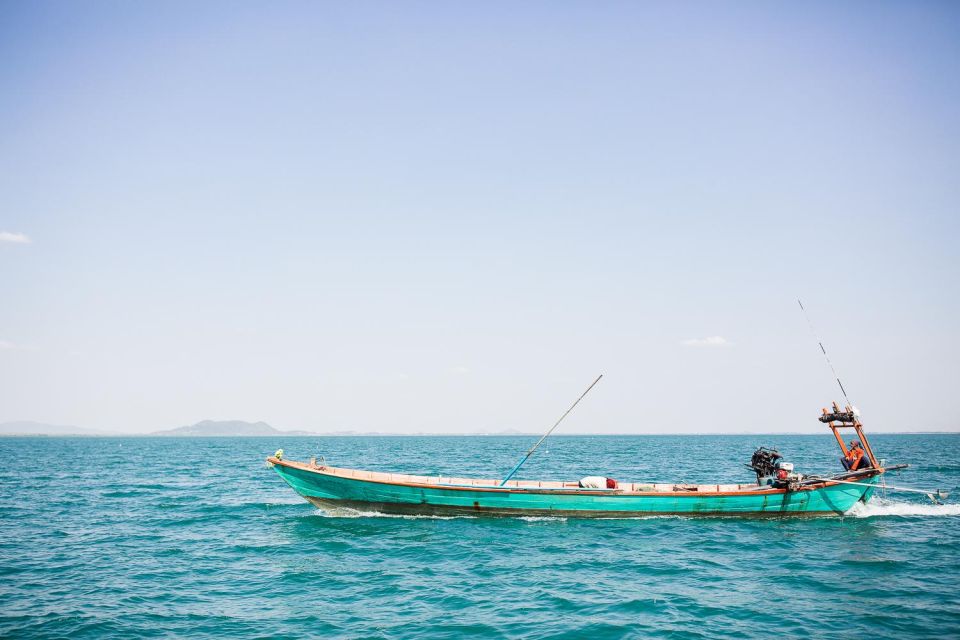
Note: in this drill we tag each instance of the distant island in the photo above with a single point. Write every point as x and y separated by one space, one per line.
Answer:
30 428
213 428
205 428
216 429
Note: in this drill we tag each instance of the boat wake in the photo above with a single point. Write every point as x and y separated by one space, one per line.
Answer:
879 507
346 512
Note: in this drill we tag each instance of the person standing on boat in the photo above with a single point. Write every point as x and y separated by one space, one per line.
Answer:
853 458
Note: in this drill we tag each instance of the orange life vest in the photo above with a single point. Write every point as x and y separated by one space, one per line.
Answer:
856 455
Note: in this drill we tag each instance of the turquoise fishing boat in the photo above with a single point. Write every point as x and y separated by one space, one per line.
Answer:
778 489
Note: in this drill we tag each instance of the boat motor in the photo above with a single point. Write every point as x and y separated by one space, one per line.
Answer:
773 470
764 463
786 477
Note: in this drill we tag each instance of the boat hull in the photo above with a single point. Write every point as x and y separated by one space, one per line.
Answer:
328 490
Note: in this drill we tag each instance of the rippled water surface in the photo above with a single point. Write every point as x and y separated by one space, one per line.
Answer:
151 537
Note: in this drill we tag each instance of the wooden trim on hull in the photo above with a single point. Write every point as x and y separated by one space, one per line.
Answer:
407 509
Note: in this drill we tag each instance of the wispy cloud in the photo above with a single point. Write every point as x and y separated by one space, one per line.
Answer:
460 370
6 345
712 341
14 238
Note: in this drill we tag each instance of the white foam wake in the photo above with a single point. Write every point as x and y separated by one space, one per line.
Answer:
886 507
347 512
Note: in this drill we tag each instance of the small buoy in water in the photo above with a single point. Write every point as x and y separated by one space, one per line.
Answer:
279 454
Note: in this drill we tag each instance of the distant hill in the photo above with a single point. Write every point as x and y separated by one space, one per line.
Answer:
208 428
29 428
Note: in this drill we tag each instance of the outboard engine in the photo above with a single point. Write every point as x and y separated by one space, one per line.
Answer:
786 477
773 470
764 462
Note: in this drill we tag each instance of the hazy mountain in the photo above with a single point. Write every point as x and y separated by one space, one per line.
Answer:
29 428
229 428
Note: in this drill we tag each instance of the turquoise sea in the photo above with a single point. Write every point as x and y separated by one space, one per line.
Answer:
187 537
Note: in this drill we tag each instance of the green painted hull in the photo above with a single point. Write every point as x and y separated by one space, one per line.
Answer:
327 490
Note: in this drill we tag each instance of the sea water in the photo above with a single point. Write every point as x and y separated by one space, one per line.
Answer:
192 537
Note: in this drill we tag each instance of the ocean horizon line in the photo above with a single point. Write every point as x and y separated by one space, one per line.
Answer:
461 435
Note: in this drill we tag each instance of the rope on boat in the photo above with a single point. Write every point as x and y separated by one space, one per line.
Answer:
555 425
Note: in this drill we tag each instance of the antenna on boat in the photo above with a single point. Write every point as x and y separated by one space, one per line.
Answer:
830 364
555 425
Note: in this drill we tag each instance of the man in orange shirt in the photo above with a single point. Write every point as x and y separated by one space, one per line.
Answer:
853 458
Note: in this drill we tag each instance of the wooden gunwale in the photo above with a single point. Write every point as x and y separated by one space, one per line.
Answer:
420 509
337 472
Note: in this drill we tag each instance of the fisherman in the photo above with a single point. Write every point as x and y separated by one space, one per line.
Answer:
854 457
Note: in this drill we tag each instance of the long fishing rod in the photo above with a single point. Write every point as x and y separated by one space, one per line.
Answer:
830 364
936 495
556 424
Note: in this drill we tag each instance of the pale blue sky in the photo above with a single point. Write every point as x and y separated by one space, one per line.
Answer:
451 217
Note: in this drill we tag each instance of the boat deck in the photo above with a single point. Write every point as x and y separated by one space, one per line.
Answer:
455 481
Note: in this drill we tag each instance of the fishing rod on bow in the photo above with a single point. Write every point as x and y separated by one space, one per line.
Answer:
935 495
826 357
549 431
